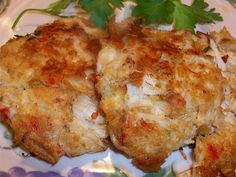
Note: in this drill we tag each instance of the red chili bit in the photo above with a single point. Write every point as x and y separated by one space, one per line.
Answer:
122 137
58 100
225 58
214 152
140 162
116 41
175 99
128 122
43 38
95 115
59 150
34 124
146 125
5 112
31 65
51 81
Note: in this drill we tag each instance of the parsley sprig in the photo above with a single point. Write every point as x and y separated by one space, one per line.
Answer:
169 11
174 12
56 9
100 10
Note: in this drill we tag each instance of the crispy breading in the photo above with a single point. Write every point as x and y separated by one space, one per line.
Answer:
158 88
217 151
47 90
159 91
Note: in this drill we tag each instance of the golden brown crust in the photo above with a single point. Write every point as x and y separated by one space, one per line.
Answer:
46 79
217 151
162 86
159 89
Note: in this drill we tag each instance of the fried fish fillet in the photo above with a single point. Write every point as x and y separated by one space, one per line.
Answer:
47 94
159 90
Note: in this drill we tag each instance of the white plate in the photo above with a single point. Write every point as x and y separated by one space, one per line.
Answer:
99 164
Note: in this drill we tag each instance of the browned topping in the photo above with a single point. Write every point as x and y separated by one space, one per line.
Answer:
49 70
128 123
136 78
94 46
214 151
146 125
95 115
117 41
176 100
34 123
225 58
182 83
122 137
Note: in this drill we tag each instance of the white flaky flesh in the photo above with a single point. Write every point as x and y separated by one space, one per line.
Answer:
47 90
161 91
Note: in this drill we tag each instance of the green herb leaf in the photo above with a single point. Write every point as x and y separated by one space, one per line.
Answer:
55 9
151 11
100 10
200 4
117 3
169 11
154 11
186 17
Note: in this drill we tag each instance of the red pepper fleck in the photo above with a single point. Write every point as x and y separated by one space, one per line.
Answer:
225 58
51 81
146 125
95 115
122 137
139 162
5 112
31 65
43 38
34 124
214 152
175 99
59 100
128 122
59 150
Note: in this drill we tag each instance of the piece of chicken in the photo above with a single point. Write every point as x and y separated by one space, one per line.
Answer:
159 89
47 94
